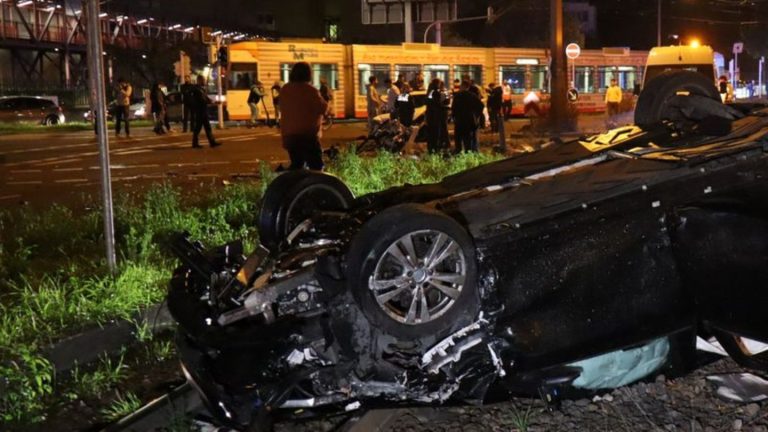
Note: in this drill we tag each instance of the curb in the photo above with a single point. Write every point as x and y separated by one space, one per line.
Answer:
160 412
87 346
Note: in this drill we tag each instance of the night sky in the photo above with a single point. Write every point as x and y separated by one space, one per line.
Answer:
630 23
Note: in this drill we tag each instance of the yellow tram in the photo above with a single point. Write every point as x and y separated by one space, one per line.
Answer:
346 69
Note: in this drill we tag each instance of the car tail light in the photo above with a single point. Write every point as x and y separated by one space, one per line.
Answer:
58 108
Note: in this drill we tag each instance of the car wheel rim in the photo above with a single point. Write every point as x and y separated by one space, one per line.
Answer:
419 277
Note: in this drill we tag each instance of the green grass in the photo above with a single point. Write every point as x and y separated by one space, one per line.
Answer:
73 126
54 282
121 406
95 383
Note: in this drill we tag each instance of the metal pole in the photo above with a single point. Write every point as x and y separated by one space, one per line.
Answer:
99 106
219 89
558 67
658 24
760 64
408 21
439 33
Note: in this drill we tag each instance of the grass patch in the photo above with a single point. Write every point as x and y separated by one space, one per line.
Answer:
121 406
74 126
54 282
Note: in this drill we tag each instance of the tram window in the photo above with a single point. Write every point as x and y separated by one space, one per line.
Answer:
365 71
242 75
625 75
409 71
475 73
539 81
514 76
585 79
436 71
327 71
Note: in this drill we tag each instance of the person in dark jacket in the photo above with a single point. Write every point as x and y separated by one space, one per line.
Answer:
494 104
405 106
186 99
437 117
159 107
199 106
467 113
495 107
276 87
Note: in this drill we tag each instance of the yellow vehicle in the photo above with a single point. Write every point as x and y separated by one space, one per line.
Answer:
695 57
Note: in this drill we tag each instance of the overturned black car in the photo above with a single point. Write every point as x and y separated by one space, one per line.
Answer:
525 276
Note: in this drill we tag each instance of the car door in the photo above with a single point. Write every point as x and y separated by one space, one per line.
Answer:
7 113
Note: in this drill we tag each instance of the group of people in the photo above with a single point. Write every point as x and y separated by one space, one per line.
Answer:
257 93
464 104
194 99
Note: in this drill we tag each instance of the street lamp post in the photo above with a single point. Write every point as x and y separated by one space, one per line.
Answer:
98 104
658 24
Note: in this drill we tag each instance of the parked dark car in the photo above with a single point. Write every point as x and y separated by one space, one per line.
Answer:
518 277
33 109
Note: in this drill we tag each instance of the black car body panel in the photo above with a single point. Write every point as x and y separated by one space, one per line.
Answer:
597 245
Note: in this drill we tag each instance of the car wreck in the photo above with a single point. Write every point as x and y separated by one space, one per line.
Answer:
584 266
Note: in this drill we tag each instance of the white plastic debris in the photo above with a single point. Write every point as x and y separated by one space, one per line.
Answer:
740 387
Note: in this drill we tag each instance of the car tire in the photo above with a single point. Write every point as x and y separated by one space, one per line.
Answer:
51 121
652 105
294 196
373 251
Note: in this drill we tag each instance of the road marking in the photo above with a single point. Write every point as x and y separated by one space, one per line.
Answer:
52 147
67 169
202 175
129 166
24 182
7 197
254 161
71 181
125 153
58 161
26 171
199 163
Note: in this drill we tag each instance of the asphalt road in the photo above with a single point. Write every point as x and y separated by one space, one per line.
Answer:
63 167
43 169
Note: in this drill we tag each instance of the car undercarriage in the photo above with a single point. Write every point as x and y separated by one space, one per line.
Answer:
526 276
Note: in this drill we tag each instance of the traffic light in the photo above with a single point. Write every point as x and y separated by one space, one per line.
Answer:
223 56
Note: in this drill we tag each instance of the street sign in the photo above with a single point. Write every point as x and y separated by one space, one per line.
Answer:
738 47
573 51
573 95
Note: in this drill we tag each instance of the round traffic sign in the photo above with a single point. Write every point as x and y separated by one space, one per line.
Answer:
572 51
573 95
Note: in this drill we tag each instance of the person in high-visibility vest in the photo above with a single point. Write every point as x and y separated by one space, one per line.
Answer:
613 96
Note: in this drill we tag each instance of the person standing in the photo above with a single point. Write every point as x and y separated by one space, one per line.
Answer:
405 106
392 94
613 96
276 87
495 99
302 109
437 117
327 94
506 100
373 101
199 106
254 98
400 82
417 83
186 101
467 111
123 106
158 107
